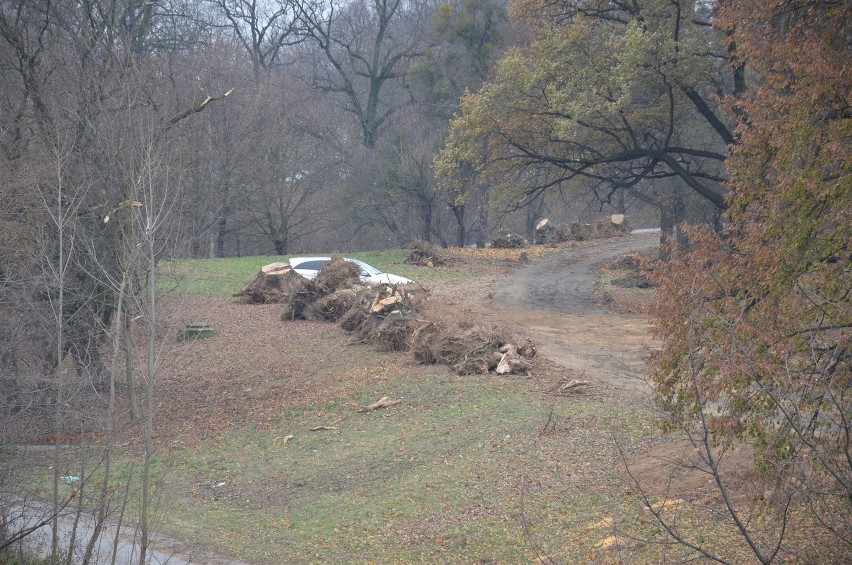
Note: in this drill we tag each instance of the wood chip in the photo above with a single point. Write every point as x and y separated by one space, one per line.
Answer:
288 438
322 428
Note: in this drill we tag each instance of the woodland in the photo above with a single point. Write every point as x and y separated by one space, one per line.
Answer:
137 132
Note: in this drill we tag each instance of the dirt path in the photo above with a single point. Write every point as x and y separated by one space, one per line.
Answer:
554 300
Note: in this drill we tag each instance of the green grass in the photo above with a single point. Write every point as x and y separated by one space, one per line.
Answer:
223 277
435 479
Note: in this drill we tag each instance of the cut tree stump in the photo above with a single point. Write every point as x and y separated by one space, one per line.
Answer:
273 284
544 231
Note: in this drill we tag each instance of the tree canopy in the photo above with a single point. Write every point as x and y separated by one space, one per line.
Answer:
608 96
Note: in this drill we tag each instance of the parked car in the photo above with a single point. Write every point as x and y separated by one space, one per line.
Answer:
309 267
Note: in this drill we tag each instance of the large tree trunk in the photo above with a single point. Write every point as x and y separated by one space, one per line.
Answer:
671 216
461 233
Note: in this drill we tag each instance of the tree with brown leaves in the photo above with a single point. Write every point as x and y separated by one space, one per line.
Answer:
756 322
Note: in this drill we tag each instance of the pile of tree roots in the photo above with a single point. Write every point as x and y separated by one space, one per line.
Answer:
546 232
424 254
389 317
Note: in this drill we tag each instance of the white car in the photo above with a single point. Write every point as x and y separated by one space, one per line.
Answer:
309 267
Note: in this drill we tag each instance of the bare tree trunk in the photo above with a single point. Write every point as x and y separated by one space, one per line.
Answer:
103 503
482 236
130 378
149 387
221 231
59 220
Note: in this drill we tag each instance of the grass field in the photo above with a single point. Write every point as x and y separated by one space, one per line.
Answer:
223 277
438 478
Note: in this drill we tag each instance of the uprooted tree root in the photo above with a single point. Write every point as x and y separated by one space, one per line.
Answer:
424 254
471 350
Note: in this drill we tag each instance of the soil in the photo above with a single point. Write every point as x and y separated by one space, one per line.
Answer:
553 300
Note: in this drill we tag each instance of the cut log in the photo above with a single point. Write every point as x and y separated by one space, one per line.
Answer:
385 304
617 219
275 268
513 363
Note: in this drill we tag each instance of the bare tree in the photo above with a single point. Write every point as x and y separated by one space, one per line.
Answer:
364 48
262 28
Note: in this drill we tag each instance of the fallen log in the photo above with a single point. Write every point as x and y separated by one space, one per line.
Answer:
383 402
570 386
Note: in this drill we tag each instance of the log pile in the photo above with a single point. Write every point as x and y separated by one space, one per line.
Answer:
385 316
472 350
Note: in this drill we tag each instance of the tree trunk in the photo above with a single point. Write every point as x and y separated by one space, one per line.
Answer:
221 231
482 236
461 233
671 215
130 379
427 223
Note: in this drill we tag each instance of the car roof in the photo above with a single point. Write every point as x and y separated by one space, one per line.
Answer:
305 259
300 259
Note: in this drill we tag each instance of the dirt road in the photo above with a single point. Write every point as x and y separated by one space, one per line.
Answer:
554 300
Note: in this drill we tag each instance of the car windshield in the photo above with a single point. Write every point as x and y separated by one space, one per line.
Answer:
311 265
369 269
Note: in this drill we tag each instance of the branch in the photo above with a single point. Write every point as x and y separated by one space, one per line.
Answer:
192 110
709 115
